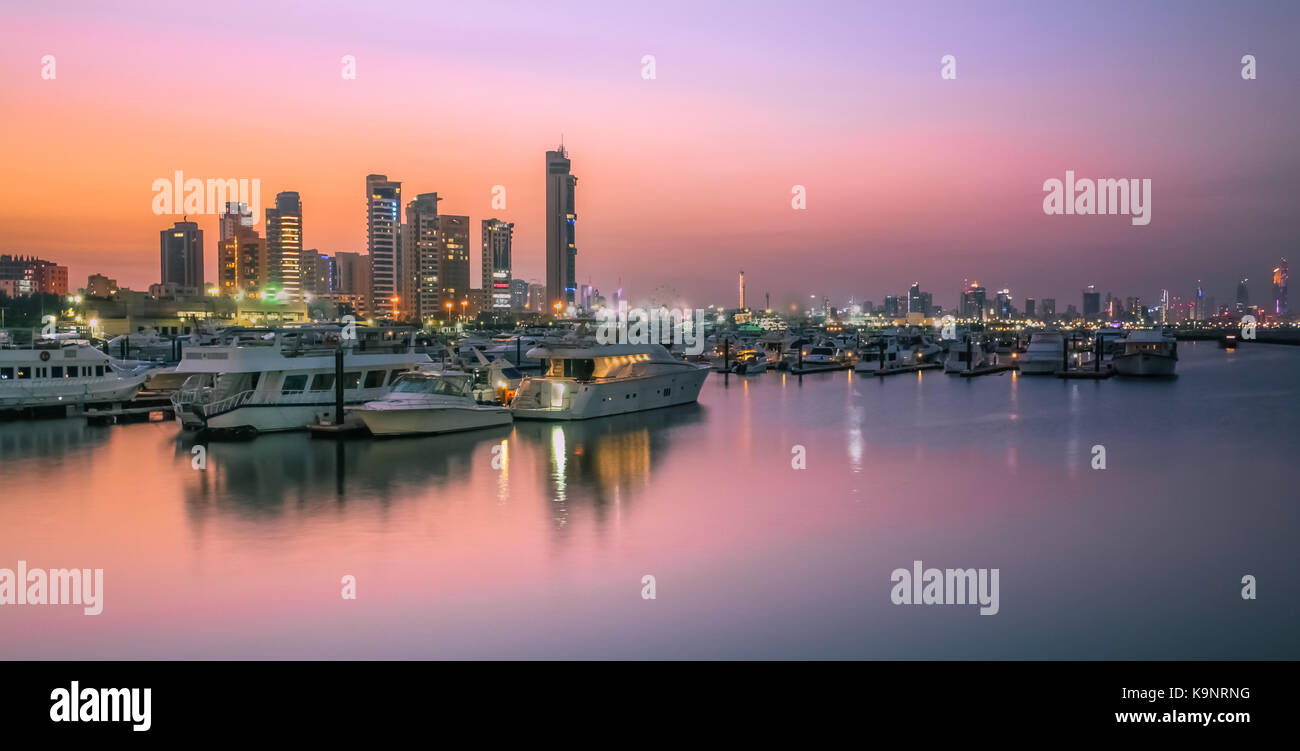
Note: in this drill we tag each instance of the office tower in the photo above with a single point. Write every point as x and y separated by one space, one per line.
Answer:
914 298
519 294
352 280
1002 307
1243 296
586 295
496 236
453 251
1280 275
1049 307
891 306
1198 303
237 215
1030 307
1134 306
972 302
319 273
927 304
383 220
561 216
282 276
537 298
241 261
182 256
420 264
1091 302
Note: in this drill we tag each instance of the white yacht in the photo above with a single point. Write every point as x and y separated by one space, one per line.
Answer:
1045 354
881 353
822 356
962 358
1148 352
262 380
53 374
579 381
424 402
750 362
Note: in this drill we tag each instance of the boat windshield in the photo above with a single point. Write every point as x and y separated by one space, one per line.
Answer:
440 385
580 369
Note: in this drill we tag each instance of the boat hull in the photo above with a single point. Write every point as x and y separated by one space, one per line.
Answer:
1145 364
583 401
396 422
1040 366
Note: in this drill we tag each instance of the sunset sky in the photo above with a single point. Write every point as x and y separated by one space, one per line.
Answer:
684 179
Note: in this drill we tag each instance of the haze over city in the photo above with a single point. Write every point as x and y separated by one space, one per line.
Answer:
684 178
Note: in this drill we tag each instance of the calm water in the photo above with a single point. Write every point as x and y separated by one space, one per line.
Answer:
545 556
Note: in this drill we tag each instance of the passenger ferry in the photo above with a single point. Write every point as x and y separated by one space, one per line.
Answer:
582 381
261 380
52 374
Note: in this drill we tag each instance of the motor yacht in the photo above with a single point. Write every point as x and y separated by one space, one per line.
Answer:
1147 352
54 374
750 362
262 380
580 380
1045 354
421 403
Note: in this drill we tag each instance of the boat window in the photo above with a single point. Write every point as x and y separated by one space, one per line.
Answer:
823 352
56 371
351 380
99 370
322 382
6 374
374 378
72 371
24 372
579 369
294 384
511 373
393 376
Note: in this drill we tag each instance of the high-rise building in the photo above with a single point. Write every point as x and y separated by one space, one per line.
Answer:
537 298
235 216
182 256
241 263
1049 307
98 285
892 307
927 304
1030 307
1198 303
352 280
1003 308
972 302
1280 274
453 252
319 273
496 262
561 217
914 298
1243 295
383 241
1134 306
519 294
282 276
421 262
1091 302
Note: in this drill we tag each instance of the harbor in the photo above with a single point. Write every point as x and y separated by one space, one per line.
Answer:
530 539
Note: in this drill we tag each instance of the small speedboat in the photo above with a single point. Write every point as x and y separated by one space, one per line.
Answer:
750 362
423 402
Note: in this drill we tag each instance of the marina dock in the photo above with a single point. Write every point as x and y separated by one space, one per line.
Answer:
990 370
903 369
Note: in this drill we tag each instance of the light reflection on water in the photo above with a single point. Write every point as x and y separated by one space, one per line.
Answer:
531 540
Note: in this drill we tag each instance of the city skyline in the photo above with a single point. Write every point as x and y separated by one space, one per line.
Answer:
687 177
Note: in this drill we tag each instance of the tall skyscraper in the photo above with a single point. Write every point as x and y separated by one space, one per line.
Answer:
1198 303
914 298
561 216
236 216
1003 308
1049 307
497 237
972 302
1091 302
1030 307
420 259
1280 275
283 272
182 256
383 238
241 261
1243 296
453 250
519 294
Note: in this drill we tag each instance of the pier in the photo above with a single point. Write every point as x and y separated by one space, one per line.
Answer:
988 370
904 369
